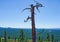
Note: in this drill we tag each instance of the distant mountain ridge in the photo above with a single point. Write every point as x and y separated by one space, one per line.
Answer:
15 32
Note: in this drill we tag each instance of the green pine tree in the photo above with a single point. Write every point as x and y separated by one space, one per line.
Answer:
0 39
15 39
39 39
52 37
22 35
48 37
5 36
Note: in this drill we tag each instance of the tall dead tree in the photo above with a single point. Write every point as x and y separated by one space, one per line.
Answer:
32 7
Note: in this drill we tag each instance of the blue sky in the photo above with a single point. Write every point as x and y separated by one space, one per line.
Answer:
11 14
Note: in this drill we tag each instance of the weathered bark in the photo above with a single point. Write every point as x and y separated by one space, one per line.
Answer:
33 24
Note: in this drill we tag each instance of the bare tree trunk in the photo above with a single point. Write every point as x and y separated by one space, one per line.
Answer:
33 30
33 25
